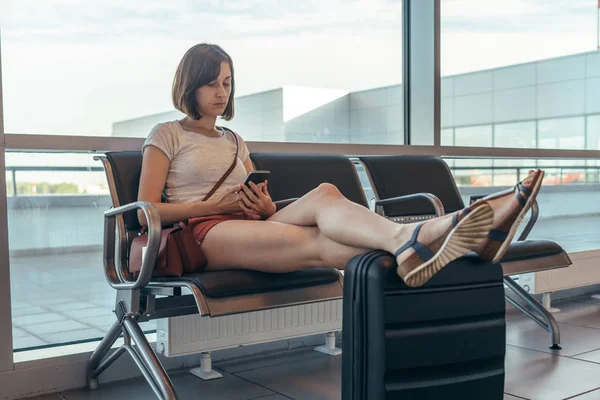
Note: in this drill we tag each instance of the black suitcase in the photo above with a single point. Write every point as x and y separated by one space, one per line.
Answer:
444 340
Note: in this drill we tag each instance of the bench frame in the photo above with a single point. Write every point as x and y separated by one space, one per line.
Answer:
136 301
538 313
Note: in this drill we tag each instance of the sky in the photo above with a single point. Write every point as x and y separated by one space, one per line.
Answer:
74 67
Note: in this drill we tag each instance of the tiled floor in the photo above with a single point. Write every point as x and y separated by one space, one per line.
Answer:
532 370
44 312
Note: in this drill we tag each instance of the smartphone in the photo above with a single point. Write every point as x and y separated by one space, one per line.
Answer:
257 177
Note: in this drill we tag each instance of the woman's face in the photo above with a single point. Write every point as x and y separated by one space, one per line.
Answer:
213 97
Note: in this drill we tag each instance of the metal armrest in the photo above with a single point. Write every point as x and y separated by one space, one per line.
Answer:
154 233
438 207
535 211
281 204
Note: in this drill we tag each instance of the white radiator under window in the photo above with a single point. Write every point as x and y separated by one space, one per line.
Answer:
191 334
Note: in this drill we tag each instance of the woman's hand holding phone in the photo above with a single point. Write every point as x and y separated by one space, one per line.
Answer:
256 199
229 203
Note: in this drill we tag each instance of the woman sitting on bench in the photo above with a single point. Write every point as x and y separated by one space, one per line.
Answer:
239 226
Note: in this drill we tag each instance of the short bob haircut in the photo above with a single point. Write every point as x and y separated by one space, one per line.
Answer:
199 66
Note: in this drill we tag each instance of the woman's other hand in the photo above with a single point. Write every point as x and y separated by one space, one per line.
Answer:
229 203
257 200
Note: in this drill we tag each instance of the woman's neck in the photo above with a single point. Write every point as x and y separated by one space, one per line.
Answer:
205 123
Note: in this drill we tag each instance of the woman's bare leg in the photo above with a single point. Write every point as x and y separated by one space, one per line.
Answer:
273 247
325 229
353 225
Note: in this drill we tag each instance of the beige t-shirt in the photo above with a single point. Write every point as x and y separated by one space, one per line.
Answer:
197 161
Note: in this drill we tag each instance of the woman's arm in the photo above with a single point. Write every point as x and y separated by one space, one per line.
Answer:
155 167
248 165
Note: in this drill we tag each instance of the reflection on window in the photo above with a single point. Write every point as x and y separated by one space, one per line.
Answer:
569 211
497 76
593 133
593 141
55 209
562 133
506 172
298 75
473 136
519 135
447 137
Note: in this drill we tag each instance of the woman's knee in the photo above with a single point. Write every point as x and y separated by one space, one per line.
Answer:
327 190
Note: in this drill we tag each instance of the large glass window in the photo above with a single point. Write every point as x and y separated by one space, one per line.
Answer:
562 133
320 72
518 134
575 227
473 136
593 133
55 229
326 71
447 137
510 62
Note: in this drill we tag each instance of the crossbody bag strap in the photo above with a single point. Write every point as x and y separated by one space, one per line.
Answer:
228 172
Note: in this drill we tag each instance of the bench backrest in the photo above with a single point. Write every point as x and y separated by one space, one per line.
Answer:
394 176
294 175
126 168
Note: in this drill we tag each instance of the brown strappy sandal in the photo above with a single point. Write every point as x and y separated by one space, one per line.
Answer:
500 237
463 236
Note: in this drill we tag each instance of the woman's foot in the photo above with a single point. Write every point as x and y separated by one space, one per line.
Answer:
432 245
510 207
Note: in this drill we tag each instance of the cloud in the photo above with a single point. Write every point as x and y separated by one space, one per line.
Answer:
516 15
78 21
90 64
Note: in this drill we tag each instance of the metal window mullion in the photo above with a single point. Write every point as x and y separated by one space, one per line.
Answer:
437 77
406 21
421 72
6 344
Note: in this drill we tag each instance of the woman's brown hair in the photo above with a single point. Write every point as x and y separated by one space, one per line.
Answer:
199 66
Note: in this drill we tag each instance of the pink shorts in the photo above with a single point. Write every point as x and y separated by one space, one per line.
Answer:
202 225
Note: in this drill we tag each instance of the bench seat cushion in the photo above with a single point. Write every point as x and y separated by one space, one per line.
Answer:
527 249
532 256
219 284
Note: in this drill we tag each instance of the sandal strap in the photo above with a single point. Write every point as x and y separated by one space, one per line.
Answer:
497 235
522 200
524 189
422 250
462 212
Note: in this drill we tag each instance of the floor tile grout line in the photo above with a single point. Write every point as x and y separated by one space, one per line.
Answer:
269 395
556 352
585 352
581 394
579 326
272 365
586 361
262 386
32 334
87 326
518 397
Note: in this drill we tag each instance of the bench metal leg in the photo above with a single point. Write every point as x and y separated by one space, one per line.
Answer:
95 367
329 347
147 361
546 321
142 354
